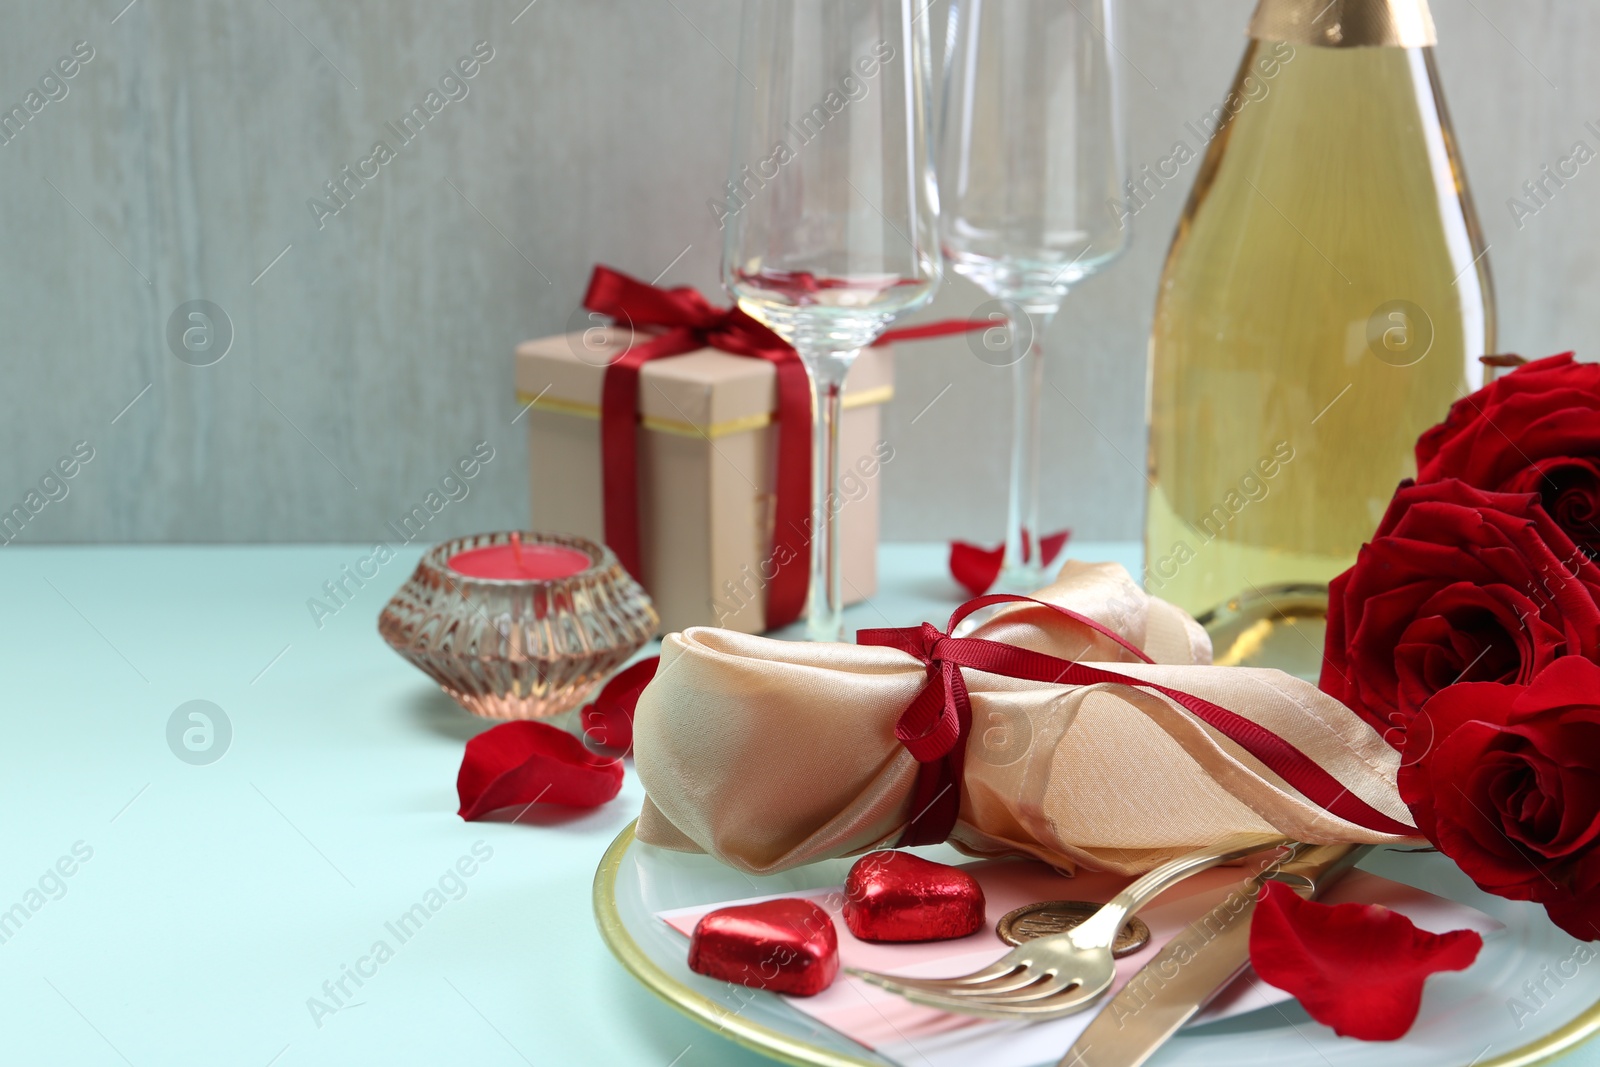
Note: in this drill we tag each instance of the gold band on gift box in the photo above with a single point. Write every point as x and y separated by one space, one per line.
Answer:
1345 23
745 424
788 1048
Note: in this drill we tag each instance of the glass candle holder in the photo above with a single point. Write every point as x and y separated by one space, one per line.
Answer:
518 646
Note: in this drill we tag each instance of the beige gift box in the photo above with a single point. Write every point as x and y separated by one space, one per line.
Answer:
707 465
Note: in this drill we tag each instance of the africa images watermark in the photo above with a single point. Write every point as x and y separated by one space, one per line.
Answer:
453 488
807 128
52 88
451 885
199 732
52 489
1542 190
51 886
1537 993
1141 990
1252 488
1141 190
854 484
344 186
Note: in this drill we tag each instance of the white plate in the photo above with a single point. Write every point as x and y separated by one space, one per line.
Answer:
1493 1015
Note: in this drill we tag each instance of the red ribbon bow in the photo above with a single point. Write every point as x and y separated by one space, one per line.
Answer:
676 321
935 727
679 321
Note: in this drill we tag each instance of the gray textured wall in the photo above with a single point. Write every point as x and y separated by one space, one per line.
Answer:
371 352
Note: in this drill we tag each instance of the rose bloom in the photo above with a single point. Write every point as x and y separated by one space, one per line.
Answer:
1535 430
1456 585
1505 780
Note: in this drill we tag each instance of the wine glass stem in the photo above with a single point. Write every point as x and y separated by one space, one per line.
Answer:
1023 570
825 599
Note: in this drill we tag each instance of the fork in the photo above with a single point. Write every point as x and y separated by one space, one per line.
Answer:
1059 974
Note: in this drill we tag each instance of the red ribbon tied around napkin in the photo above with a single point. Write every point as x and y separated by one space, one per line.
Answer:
934 728
681 320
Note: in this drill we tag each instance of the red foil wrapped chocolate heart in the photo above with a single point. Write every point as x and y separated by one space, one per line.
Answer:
895 896
787 946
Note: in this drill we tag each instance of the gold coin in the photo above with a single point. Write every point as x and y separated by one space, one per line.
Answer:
1058 916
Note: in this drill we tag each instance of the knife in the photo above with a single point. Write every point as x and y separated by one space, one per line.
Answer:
1197 964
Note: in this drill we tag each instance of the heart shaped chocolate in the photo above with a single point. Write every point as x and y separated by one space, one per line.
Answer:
895 896
787 946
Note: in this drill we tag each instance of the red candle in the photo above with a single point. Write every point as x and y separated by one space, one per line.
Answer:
520 563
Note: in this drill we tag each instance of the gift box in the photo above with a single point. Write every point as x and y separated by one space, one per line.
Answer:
706 448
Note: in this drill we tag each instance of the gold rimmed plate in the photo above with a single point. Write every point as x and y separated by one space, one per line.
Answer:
1281 626
1533 994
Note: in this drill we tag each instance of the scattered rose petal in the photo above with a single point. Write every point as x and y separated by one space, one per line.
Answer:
532 763
609 720
977 568
895 896
787 946
1358 968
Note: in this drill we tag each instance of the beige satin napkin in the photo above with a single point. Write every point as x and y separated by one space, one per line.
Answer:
770 754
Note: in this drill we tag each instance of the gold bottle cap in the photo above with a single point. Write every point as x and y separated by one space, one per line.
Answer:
1345 23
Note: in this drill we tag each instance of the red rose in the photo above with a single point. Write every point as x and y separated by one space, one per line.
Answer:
1457 585
1505 780
1535 430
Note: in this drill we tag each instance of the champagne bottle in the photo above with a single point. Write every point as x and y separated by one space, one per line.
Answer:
1324 300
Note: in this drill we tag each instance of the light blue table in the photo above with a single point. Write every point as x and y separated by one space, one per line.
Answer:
217 900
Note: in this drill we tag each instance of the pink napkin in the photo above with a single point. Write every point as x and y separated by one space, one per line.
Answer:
924 1037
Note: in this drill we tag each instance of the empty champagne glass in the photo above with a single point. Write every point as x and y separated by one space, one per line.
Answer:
1031 170
831 207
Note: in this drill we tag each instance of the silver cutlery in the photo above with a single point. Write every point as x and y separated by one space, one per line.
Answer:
1197 964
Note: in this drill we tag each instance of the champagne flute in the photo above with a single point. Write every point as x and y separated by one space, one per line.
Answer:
831 210
1032 163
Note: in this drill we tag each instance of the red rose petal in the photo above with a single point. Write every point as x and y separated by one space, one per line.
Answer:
1358 968
974 566
609 720
1050 546
895 896
787 946
532 763
977 568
